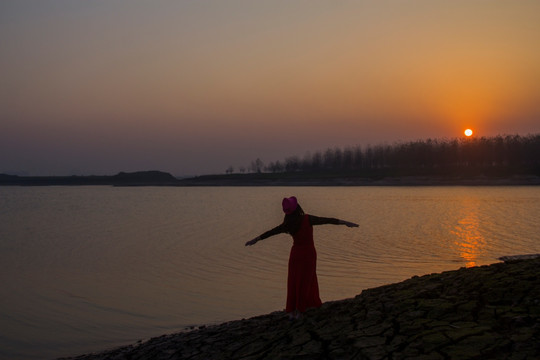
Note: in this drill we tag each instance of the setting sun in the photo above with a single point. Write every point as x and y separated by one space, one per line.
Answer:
468 132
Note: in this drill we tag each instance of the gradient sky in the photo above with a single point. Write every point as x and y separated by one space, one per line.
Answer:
191 87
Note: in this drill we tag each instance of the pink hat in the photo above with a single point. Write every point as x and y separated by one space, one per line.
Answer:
289 205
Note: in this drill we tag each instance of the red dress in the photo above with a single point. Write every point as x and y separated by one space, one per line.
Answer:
302 285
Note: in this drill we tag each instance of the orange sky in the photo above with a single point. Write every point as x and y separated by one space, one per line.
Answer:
191 87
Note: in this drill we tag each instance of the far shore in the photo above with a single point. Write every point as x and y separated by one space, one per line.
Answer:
486 312
159 178
262 180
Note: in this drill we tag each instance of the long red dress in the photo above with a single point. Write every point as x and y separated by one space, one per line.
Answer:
302 285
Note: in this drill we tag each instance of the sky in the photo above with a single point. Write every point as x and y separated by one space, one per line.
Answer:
193 87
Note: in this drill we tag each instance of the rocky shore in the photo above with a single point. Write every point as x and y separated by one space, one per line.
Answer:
488 312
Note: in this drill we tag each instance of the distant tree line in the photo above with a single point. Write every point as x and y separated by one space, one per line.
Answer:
499 155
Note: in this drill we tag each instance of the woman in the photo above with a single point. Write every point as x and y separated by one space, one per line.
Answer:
302 285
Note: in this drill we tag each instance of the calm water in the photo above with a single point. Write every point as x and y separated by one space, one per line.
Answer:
88 268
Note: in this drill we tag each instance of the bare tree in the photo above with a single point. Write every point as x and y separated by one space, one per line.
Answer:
257 166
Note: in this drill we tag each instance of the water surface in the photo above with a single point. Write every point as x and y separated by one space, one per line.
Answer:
87 268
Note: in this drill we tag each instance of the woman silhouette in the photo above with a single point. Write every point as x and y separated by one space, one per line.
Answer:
302 285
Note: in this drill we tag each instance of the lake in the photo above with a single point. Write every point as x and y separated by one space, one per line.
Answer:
89 268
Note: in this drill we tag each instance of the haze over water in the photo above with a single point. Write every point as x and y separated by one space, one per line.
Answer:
87 268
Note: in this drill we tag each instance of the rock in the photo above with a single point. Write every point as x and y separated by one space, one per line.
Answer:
519 257
475 313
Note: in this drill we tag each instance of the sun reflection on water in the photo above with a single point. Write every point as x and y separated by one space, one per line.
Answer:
469 241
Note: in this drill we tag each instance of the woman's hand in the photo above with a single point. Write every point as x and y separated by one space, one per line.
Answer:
254 241
349 224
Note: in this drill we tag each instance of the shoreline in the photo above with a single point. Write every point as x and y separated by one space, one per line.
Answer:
491 311
157 178
360 181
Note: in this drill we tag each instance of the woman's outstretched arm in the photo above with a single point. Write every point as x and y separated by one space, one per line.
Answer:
277 230
318 220
348 223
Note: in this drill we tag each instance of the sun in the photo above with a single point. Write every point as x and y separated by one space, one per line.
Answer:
468 132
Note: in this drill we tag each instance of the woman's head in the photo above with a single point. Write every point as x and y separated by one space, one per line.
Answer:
289 205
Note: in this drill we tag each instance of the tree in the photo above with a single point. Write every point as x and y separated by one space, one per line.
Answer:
257 166
496 155
292 164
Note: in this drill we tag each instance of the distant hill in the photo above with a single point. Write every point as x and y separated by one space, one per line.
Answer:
140 178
